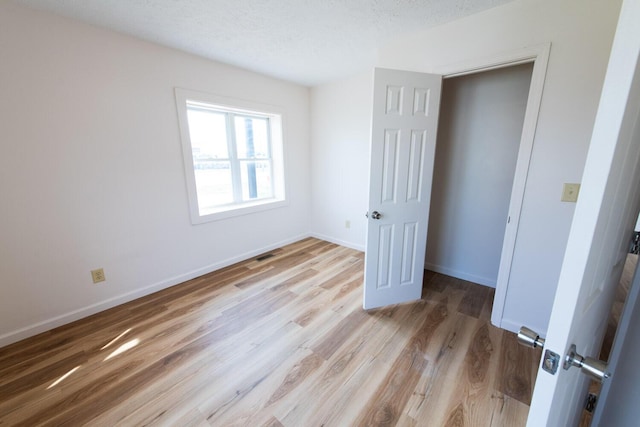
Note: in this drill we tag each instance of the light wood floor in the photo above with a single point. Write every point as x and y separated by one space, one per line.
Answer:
277 342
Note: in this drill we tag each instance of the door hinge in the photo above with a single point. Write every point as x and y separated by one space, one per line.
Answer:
591 402
634 245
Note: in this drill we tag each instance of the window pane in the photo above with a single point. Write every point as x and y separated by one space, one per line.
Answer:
252 137
233 156
256 180
208 133
214 186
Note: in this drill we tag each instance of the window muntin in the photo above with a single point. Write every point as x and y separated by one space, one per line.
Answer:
233 157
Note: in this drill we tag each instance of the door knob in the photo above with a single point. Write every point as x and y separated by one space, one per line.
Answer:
529 338
376 215
595 368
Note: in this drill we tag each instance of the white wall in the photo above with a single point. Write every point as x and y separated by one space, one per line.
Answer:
479 130
581 33
91 171
340 131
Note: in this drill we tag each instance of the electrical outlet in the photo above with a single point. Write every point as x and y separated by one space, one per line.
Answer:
98 275
347 224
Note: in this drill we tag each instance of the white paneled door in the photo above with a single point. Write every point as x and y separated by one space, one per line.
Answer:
403 142
599 239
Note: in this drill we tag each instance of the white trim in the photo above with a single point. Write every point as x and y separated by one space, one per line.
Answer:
340 242
80 313
485 281
536 90
496 61
539 55
275 115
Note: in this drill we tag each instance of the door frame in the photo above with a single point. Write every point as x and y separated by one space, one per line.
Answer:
619 350
539 56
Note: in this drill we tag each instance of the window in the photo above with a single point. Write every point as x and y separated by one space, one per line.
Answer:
232 154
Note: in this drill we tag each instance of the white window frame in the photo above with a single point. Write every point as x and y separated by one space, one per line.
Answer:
240 108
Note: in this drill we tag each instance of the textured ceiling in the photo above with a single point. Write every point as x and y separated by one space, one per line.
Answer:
305 41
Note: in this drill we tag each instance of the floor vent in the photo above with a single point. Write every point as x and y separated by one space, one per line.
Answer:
263 257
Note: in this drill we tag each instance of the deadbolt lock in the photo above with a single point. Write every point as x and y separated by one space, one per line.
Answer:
595 368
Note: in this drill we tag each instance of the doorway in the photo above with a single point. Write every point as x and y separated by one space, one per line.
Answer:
479 133
403 233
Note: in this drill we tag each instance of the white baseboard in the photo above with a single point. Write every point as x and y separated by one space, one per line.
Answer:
63 319
461 275
344 243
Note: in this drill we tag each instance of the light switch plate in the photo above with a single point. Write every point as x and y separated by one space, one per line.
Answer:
570 192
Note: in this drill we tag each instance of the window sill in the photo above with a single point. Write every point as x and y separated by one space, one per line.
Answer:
236 210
